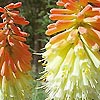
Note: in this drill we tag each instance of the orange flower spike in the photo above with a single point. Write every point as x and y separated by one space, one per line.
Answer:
11 40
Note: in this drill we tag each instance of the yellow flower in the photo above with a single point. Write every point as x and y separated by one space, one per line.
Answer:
72 56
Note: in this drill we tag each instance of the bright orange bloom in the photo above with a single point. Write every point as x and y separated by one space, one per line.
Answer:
14 56
79 15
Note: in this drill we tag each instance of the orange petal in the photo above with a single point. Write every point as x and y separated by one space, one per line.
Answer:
2 36
15 11
89 41
61 11
19 20
82 30
54 30
2 9
2 24
23 67
1 51
70 6
18 4
95 2
94 35
13 66
24 34
5 70
51 26
3 16
12 14
19 38
10 6
65 1
96 26
10 40
60 3
15 29
83 2
59 37
87 9
65 24
60 26
61 17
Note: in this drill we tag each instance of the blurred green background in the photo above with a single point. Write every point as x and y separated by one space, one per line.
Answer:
37 12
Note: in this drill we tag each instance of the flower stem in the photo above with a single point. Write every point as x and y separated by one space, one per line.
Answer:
84 46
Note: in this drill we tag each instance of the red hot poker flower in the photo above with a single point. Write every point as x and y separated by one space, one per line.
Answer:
72 56
14 56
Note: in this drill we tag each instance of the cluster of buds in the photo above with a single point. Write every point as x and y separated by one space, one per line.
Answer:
72 56
14 56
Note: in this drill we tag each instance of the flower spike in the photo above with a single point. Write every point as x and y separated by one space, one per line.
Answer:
15 67
72 56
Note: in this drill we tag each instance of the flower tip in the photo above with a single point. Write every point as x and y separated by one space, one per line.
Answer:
60 3
2 10
82 30
10 6
18 4
27 22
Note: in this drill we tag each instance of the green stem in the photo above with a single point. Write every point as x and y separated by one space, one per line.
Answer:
84 46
